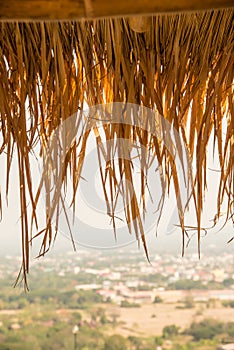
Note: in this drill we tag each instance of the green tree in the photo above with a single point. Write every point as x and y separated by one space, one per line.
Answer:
158 299
228 282
186 284
229 329
115 342
170 331
158 341
206 329
229 303
188 303
136 342
126 303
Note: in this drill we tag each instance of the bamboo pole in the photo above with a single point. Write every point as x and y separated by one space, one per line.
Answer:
77 9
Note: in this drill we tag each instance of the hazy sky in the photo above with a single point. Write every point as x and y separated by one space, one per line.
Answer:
90 218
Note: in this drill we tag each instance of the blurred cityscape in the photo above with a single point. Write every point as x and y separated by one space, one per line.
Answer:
118 294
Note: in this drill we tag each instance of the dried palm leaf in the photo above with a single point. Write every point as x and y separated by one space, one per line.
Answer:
180 65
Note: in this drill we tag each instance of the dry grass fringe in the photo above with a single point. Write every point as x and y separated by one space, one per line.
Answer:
180 65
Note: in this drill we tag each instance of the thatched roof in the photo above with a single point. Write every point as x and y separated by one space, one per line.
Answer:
88 9
180 65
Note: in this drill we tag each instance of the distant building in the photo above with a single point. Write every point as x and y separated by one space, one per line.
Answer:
222 294
114 276
111 295
219 275
15 326
132 283
87 286
226 347
139 296
76 270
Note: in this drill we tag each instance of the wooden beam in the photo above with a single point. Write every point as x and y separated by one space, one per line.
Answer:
77 9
